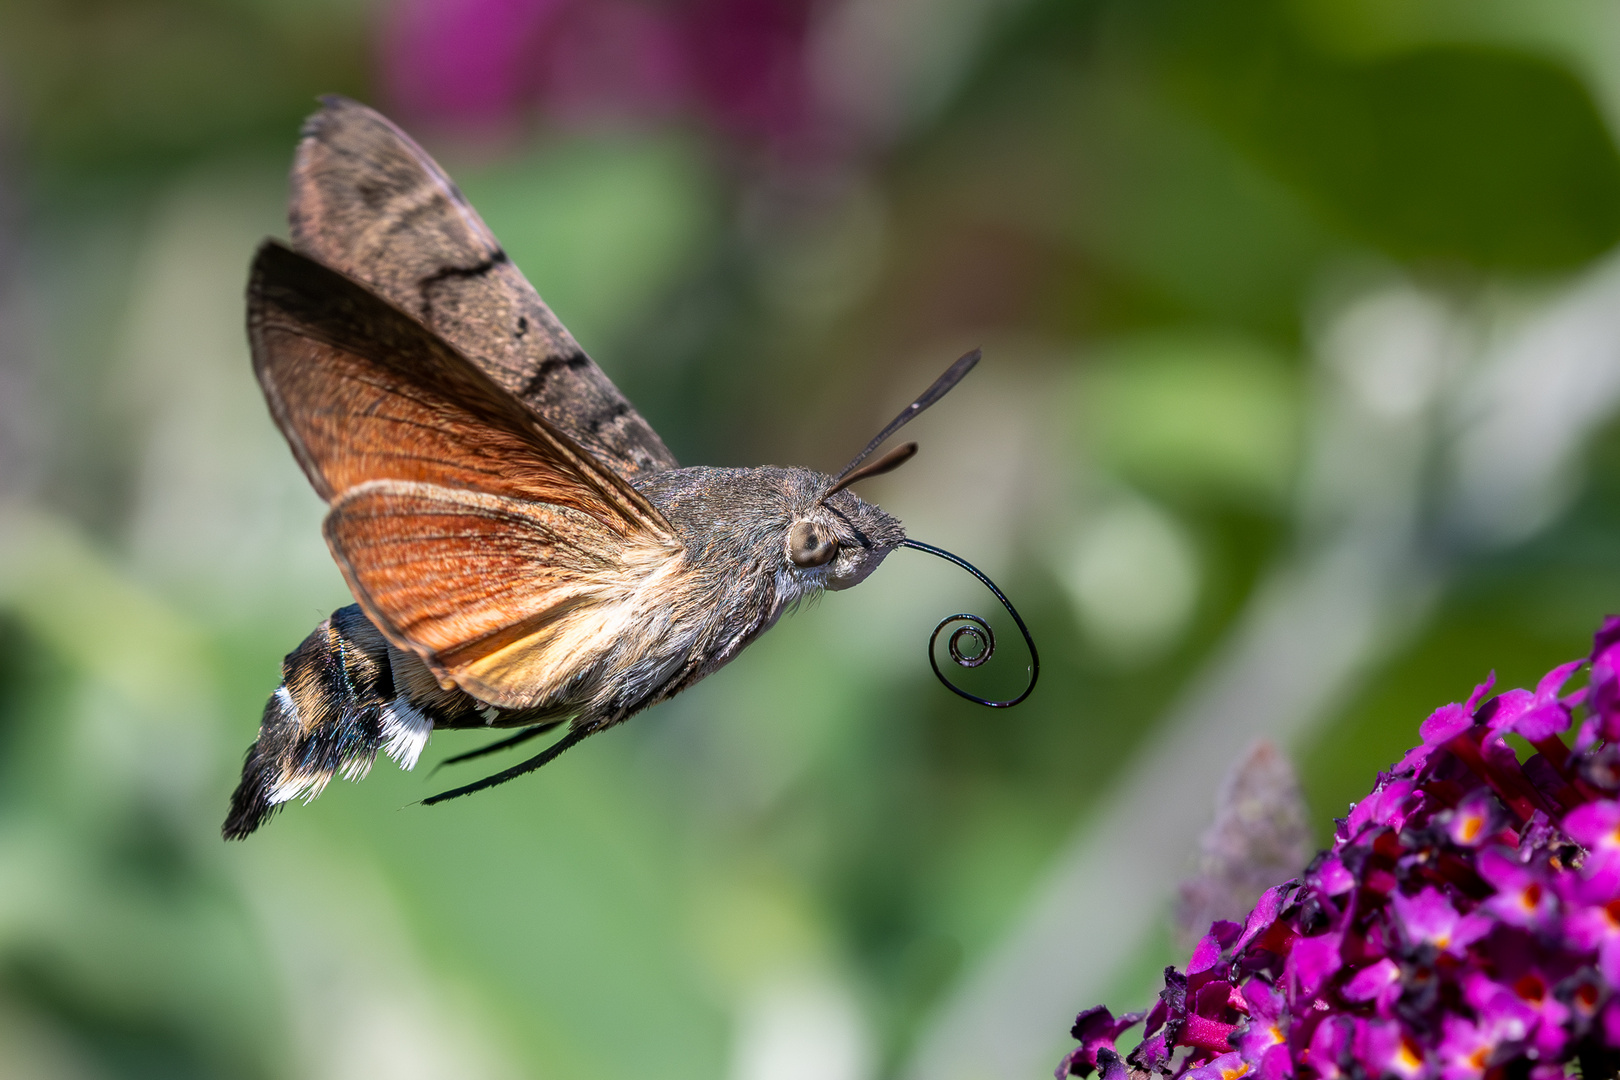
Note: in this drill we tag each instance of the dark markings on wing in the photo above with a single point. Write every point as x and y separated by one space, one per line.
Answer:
549 367
370 203
446 273
599 422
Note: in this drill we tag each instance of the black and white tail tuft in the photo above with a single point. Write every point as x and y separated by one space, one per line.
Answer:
338 704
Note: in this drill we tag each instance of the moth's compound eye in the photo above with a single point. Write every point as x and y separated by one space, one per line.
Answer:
810 544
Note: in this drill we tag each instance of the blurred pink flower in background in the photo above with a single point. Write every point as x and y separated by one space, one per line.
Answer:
738 65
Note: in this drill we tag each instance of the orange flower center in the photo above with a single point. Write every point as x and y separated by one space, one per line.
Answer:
1531 989
1410 1058
1612 910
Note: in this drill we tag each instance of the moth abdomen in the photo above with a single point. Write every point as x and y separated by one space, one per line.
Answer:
336 707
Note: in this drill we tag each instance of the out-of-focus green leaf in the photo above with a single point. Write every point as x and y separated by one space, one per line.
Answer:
1207 416
116 84
1171 204
1484 156
566 896
600 227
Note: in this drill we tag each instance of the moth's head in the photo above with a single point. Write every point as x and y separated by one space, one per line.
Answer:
773 524
804 530
835 538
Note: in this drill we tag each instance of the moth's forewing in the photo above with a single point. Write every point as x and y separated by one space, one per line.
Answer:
469 530
369 202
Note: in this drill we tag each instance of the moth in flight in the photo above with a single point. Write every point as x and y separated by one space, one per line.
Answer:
523 550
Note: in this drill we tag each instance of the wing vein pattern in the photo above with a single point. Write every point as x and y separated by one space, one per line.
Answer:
471 530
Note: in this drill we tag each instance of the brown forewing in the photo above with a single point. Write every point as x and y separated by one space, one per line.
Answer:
465 525
366 200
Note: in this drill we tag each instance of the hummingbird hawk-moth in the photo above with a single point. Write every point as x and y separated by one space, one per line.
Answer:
523 550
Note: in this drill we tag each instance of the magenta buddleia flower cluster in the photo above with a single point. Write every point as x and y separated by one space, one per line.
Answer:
1464 924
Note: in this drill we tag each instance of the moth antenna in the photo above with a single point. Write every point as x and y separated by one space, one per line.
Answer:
941 387
887 463
515 771
977 631
499 744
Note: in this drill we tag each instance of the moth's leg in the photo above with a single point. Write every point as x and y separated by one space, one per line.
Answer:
544 756
500 744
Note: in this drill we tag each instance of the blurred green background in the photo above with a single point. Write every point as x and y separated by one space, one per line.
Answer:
1302 334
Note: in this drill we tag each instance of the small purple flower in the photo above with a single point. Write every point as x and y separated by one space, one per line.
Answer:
1465 1048
1262 918
1225 1067
1443 726
1603 682
1276 1064
1310 962
1597 929
1464 925
1384 1048
1387 805
1110 1066
1509 1016
1096 1029
1329 1050
1207 953
1596 827
1536 716
1477 819
1522 898
1379 982
1329 877
1429 919
1266 1027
